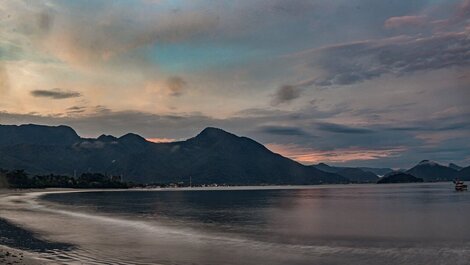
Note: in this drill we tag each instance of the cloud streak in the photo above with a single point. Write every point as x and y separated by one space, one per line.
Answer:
339 128
313 156
283 130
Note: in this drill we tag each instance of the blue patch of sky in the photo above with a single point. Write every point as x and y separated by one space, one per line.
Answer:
176 58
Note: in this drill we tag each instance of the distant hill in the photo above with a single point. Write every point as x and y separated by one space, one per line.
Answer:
432 171
464 174
353 174
399 178
213 156
455 167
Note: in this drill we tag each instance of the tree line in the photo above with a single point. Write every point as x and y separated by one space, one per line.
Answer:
20 179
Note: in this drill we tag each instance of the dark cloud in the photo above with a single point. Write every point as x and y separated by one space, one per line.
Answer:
339 128
290 92
75 110
435 125
286 93
55 93
176 85
283 130
45 20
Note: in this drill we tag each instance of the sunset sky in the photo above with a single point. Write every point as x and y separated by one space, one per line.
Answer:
347 82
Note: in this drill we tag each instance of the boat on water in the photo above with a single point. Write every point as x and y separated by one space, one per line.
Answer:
459 185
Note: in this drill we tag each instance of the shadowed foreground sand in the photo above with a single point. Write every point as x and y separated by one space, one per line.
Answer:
9 256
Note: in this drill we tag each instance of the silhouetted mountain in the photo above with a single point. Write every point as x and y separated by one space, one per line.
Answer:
358 175
464 174
326 168
37 135
455 167
213 156
399 177
432 171
353 174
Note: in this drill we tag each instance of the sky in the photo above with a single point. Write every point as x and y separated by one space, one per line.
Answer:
346 82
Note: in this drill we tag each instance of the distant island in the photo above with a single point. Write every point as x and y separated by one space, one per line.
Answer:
213 157
399 177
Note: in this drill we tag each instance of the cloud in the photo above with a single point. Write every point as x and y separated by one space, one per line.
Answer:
308 155
99 36
285 94
161 140
463 9
55 93
89 34
176 85
405 21
283 130
288 93
339 128
75 110
355 62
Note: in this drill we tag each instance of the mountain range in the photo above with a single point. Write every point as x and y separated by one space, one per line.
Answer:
212 156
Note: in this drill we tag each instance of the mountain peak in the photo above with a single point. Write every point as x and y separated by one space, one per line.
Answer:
106 138
132 137
212 132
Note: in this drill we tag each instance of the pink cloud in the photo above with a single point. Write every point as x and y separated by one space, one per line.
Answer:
311 156
160 140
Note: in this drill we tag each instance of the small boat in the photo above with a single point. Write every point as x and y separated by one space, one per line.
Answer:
459 185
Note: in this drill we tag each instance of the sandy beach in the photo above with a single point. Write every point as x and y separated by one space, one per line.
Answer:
16 243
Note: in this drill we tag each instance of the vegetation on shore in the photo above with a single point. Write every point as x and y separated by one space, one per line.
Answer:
20 179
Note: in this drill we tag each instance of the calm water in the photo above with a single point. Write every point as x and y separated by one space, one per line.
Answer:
343 224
